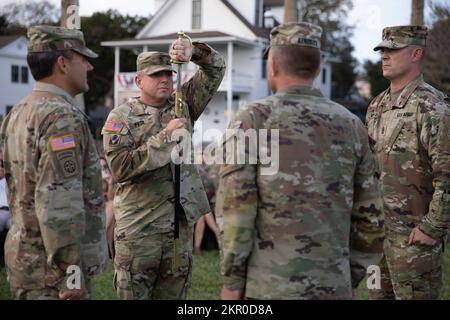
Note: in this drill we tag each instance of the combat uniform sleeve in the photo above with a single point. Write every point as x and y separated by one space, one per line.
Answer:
59 202
95 247
200 89
435 138
367 221
236 206
128 159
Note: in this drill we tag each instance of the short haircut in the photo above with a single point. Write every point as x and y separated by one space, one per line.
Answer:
414 47
303 62
41 63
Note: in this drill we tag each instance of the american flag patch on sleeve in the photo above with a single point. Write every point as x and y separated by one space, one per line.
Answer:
113 126
62 142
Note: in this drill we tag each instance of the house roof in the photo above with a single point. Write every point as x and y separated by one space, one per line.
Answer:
205 36
5 40
192 35
261 32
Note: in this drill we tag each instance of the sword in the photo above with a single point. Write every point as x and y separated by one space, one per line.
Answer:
178 207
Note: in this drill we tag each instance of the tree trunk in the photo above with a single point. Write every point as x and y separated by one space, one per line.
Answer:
290 11
417 12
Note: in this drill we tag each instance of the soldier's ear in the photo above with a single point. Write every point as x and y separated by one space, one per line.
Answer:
419 53
61 65
274 67
138 81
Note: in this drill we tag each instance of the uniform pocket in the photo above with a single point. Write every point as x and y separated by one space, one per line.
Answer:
122 280
227 169
425 287
395 133
123 284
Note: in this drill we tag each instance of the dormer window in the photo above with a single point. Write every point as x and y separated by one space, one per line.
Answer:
196 14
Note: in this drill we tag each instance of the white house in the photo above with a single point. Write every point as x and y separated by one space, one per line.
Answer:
16 80
235 28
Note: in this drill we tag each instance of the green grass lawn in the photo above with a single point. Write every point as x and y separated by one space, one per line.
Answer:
206 281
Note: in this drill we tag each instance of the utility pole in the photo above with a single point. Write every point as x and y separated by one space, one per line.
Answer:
417 12
290 11
70 19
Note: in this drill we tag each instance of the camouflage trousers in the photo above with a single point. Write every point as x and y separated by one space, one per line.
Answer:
143 266
49 293
409 272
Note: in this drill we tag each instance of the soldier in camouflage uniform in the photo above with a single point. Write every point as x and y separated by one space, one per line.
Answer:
310 230
53 174
409 129
138 146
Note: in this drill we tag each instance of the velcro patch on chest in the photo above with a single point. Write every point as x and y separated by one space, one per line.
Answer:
404 114
60 143
113 126
139 123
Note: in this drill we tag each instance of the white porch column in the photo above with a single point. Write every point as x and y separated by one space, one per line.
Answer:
116 75
230 79
145 49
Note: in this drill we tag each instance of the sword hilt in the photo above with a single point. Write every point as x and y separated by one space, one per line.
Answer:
188 53
178 96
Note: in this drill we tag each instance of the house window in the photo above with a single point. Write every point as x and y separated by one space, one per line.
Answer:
196 14
324 76
24 74
15 74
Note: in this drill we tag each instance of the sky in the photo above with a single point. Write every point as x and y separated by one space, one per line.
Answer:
367 16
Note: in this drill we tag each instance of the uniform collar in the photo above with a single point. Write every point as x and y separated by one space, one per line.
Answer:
301 89
47 87
139 108
404 95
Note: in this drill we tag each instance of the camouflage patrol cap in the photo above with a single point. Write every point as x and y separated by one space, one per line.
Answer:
152 62
49 39
402 36
297 33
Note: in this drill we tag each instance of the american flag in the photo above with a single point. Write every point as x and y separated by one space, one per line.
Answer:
62 142
113 126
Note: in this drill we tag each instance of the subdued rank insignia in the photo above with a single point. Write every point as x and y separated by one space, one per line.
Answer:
114 140
112 126
61 143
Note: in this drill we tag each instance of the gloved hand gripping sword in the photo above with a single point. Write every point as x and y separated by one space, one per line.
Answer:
179 114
